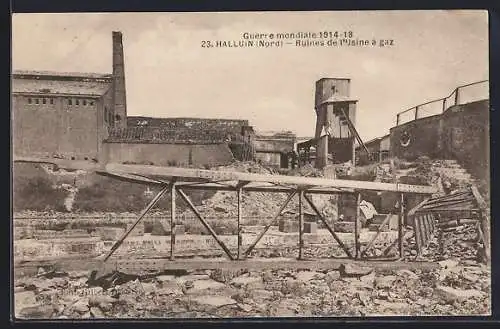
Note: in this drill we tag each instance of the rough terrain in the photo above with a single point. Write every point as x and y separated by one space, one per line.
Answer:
460 286
457 288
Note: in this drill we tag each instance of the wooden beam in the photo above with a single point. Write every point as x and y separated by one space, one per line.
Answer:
357 227
401 225
240 205
301 222
353 130
173 196
187 173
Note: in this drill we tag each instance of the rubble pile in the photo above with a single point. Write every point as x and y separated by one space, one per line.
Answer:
246 166
455 288
460 242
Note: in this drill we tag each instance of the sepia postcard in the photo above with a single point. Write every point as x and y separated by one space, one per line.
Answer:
250 164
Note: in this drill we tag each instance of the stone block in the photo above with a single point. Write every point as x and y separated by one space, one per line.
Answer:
378 218
393 222
451 295
160 228
179 229
310 228
343 227
138 230
288 226
53 234
110 233
375 227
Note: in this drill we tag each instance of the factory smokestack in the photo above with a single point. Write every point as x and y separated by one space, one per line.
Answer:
119 91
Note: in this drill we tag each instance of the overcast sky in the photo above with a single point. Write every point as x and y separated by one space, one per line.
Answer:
168 73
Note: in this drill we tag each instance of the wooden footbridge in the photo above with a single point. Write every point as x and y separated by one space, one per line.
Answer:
176 181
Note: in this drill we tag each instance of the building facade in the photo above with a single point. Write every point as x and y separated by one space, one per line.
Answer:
83 116
64 115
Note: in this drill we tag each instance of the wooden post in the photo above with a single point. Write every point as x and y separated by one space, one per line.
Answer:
418 234
239 223
173 196
357 227
457 96
397 120
301 222
354 152
484 224
401 226
416 113
444 104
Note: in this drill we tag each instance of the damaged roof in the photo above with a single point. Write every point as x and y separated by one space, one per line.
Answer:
43 82
158 135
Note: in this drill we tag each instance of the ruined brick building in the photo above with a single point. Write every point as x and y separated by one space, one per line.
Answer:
83 116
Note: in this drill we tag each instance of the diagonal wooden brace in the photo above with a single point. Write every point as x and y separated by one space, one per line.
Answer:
252 246
395 242
141 216
379 230
342 245
202 220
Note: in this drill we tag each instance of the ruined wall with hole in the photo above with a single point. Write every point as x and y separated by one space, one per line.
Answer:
168 154
273 145
460 133
421 138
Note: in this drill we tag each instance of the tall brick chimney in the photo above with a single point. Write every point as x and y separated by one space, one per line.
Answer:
119 91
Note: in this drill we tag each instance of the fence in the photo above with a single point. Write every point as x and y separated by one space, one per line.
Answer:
461 95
